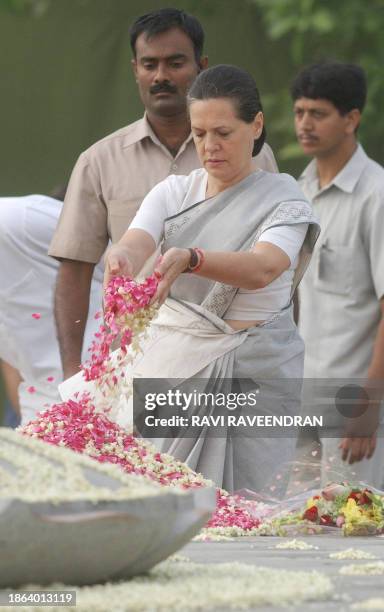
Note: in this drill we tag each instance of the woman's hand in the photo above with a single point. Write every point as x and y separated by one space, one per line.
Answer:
117 263
167 269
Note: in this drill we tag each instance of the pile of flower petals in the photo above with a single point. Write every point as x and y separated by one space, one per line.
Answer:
127 313
79 426
231 517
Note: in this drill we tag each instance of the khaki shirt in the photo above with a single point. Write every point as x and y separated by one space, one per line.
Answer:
340 292
109 182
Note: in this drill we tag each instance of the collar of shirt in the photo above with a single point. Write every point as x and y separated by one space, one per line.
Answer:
345 180
144 130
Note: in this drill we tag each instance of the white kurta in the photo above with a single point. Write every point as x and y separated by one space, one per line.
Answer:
340 292
27 281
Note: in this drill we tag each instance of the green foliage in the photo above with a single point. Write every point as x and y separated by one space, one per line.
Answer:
300 32
346 30
35 7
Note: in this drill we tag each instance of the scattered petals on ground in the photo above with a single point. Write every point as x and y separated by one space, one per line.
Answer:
172 587
296 545
352 553
363 569
373 603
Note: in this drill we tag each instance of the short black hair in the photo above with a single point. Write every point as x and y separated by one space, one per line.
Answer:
165 19
236 84
345 85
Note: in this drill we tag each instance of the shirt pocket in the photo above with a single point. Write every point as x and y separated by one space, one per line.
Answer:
334 269
120 215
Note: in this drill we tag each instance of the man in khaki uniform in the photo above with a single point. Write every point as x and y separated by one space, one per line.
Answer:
341 295
112 177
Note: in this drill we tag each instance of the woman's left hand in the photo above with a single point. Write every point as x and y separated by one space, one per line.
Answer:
168 268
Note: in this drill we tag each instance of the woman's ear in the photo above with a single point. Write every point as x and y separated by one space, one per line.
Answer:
258 124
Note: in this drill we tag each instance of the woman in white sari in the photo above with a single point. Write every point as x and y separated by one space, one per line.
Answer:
235 243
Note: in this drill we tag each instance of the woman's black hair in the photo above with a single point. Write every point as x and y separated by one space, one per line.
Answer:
230 82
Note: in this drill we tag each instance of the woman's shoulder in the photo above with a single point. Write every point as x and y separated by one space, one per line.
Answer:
287 183
278 177
185 181
177 186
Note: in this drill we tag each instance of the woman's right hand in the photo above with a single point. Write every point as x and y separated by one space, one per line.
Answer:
117 263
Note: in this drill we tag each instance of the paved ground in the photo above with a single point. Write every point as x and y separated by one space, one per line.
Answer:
261 551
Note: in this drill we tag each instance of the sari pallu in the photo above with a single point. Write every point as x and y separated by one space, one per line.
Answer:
191 342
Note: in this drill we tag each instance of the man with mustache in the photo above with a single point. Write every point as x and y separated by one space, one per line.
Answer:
112 177
341 295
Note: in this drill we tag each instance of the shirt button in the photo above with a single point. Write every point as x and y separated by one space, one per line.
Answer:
174 166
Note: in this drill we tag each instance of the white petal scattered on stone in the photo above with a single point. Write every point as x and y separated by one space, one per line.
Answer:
172 587
179 558
296 545
352 553
373 603
363 569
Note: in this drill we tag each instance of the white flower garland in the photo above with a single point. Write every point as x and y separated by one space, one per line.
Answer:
34 471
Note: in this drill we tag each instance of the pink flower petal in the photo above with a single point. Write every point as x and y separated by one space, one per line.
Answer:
36 315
